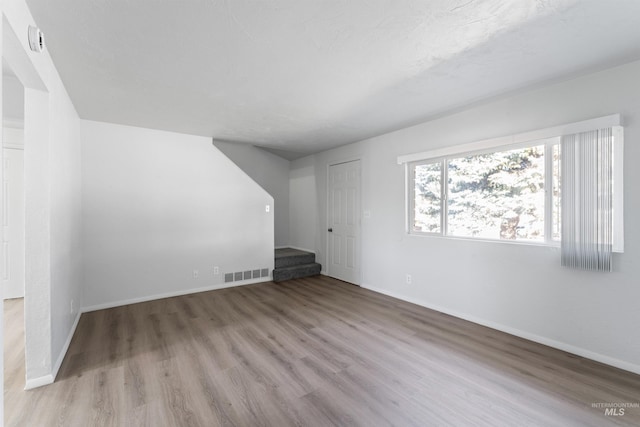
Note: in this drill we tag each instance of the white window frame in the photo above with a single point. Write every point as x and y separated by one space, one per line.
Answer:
412 195
444 190
547 137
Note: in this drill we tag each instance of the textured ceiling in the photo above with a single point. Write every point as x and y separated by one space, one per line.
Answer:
303 76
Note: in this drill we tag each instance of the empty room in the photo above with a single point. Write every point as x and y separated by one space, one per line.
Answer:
320 213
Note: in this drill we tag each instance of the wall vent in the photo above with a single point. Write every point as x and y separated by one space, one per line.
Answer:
246 275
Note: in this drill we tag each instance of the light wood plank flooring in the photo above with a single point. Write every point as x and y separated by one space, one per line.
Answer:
310 352
14 378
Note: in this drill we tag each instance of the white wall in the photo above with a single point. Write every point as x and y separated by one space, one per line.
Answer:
304 228
271 172
66 206
12 99
158 205
518 288
1 250
37 187
52 199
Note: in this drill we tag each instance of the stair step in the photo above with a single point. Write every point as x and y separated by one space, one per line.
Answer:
296 271
287 257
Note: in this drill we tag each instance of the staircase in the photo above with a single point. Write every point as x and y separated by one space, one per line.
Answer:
294 264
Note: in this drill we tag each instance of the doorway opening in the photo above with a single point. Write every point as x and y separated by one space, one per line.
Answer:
37 235
13 236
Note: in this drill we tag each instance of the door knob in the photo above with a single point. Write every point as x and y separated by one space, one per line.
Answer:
330 230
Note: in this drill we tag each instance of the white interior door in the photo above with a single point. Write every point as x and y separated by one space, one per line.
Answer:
13 223
344 222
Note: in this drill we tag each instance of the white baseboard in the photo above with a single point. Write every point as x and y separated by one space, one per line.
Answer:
50 378
65 347
174 294
38 382
13 123
607 360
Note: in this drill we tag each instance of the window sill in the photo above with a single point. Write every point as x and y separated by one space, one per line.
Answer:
553 244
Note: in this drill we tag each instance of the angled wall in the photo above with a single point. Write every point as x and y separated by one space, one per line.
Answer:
271 172
157 206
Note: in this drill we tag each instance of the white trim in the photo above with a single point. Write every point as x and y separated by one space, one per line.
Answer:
548 194
39 382
549 142
618 189
443 163
541 243
607 360
12 146
13 123
409 198
65 347
174 294
567 129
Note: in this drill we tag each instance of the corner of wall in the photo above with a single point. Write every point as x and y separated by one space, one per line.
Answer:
191 207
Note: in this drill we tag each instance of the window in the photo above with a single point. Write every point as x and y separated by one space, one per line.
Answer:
560 186
499 195
427 197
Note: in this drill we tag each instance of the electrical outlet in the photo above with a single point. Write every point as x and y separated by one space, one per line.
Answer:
408 279
196 274
216 270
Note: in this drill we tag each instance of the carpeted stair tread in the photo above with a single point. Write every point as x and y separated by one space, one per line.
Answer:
288 257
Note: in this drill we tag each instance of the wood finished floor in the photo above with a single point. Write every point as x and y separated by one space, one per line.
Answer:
308 352
14 369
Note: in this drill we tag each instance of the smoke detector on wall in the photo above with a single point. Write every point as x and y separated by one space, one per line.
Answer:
36 39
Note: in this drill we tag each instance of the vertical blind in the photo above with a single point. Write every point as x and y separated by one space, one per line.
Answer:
587 200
